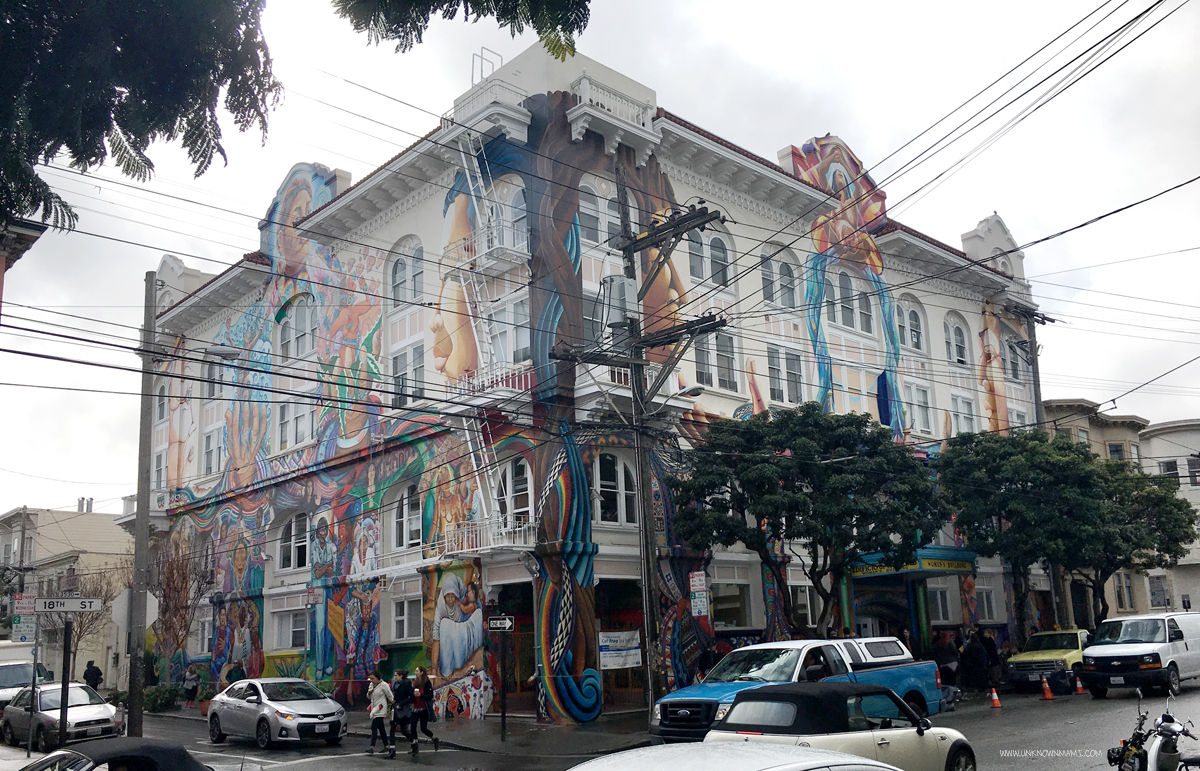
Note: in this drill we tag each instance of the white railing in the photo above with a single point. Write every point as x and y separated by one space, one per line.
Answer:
465 538
613 102
490 91
494 376
499 235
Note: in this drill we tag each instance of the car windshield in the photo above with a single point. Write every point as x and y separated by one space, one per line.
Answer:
15 675
297 691
771 665
77 696
1143 630
1052 642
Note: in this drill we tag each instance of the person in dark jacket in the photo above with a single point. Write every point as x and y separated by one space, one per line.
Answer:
92 675
945 655
987 637
974 663
421 709
402 703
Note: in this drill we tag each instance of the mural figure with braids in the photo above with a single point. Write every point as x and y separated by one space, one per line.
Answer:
844 236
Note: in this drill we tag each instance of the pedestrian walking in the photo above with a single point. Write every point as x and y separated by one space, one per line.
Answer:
945 655
994 670
402 704
380 696
191 686
92 675
421 709
974 663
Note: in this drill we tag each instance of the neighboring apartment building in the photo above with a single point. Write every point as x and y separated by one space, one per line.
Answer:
1112 437
1171 448
398 443
71 551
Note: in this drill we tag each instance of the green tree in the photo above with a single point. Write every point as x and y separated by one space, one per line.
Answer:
1024 498
100 78
556 22
836 484
1143 524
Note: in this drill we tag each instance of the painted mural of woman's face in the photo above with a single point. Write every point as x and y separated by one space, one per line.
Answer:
241 557
293 248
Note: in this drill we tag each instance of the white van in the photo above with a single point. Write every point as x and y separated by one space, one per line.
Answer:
15 675
1155 650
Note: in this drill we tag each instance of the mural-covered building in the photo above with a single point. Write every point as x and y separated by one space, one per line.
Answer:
392 439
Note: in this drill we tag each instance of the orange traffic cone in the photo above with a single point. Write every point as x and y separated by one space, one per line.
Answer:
995 700
1078 686
1047 695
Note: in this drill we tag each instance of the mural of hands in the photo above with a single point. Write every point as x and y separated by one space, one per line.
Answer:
246 425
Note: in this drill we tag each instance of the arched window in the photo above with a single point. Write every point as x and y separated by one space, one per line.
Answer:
768 278
514 499
215 375
589 216
864 313
520 219
901 325
956 342
846 290
695 255
162 402
830 302
719 259
787 285
285 339
615 490
1005 268
914 329
399 282
301 328
1010 356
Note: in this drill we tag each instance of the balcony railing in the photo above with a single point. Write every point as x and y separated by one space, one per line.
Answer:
465 538
613 102
500 242
490 91
498 376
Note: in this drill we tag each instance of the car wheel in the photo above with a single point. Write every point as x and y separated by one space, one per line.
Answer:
42 746
333 741
1098 691
961 759
917 704
214 730
1172 680
262 735
9 737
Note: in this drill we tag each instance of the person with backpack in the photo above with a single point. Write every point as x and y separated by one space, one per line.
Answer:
380 696
92 675
421 709
402 704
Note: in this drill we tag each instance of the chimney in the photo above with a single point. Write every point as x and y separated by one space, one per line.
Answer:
89 504
79 505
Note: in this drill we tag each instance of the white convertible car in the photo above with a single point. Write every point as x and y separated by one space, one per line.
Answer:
864 720
730 757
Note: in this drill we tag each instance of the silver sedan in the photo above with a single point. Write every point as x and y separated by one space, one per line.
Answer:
88 716
275 709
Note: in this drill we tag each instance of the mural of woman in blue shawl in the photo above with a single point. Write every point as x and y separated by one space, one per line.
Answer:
457 626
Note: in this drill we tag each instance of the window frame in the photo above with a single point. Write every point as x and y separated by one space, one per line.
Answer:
513 513
917 409
958 351
957 401
213 456
290 617
405 604
412 361
293 544
625 490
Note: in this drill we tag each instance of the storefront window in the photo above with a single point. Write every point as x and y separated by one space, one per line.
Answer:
730 605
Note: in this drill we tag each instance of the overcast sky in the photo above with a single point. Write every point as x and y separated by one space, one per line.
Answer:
874 73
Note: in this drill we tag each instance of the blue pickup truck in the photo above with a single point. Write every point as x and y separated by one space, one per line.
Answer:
687 714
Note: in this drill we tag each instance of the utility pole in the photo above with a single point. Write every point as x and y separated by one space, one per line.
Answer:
141 527
21 559
666 236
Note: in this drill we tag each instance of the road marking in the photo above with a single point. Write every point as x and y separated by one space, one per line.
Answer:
237 756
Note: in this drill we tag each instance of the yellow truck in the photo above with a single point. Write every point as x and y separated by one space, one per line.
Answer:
1058 656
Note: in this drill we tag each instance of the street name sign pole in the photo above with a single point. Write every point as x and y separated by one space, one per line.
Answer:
68 605
504 624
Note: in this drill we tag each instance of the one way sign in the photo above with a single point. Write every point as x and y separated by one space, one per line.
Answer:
501 624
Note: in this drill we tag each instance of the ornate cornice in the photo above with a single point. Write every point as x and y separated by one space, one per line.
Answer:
359 235
725 193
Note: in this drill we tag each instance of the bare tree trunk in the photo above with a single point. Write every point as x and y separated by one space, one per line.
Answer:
1020 602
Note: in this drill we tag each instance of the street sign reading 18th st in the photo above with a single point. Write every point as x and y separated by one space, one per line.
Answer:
68 604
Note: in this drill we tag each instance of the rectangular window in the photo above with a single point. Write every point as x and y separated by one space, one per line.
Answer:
593 323
1116 452
1062 433
589 226
408 376
775 373
1194 471
793 366
1129 590
1119 591
1158 591
695 255
806 603
963 411
704 372
919 413
521 347
985 605
499 323
413 516
407 615
293 543
159 468
726 376
1169 468
939 606
285 426
1019 419
206 636
291 630
1083 436
730 605
1135 453
214 451
301 425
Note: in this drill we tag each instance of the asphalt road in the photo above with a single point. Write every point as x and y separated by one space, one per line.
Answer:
348 756
1071 733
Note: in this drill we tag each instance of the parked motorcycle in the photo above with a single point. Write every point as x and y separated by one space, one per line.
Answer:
1157 748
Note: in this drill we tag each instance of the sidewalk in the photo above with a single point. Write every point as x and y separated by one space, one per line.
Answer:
524 737
13 758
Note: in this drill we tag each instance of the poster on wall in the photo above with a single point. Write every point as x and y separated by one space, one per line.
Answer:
698 587
620 650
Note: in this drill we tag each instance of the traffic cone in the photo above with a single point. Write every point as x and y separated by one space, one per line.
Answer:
1047 695
995 700
1078 686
